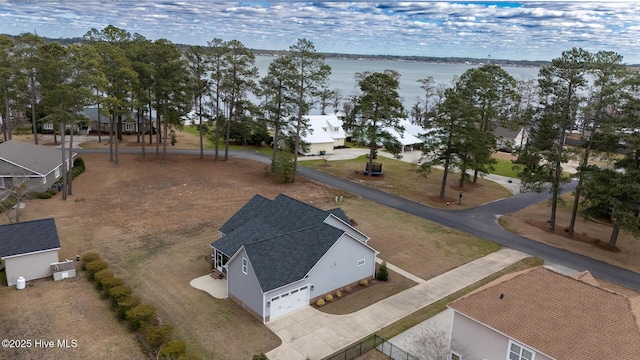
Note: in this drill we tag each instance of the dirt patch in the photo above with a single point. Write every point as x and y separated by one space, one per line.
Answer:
564 232
590 238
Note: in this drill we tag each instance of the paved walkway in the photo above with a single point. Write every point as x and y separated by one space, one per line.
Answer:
309 333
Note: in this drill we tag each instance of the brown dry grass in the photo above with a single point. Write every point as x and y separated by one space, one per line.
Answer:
153 221
532 223
70 309
400 178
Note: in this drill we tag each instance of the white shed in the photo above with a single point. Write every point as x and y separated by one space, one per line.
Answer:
28 249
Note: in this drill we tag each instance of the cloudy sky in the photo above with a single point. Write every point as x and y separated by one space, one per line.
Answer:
519 30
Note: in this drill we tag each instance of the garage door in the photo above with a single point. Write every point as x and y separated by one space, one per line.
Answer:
289 301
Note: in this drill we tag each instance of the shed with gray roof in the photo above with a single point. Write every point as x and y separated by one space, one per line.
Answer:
41 166
278 255
28 249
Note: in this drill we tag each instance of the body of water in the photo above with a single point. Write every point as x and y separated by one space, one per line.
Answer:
343 71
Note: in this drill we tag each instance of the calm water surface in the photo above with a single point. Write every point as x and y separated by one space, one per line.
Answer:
343 70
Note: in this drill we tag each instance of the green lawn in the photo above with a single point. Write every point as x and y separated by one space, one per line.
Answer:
506 168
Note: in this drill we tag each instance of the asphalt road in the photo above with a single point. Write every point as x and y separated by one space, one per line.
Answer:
481 221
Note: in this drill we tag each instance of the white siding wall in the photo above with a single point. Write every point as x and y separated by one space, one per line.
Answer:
475 341
339 267
31 266
315 149
244 287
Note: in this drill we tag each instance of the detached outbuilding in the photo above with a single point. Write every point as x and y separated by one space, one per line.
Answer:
28 249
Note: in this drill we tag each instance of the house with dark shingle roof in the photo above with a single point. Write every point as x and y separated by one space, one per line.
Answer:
28 249
279 254
40 165
100 120
539 314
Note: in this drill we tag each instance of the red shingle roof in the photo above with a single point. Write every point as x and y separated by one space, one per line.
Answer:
563 317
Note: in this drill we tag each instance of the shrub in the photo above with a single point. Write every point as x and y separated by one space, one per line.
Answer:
52 191
75 172
383 273
124 304
79 162
338 294
89 257
364 282
100 275
347 289
110 282
41 195
118 292
320 302
173 350
157 336
283 171
95 266
329 297
260 356
140 315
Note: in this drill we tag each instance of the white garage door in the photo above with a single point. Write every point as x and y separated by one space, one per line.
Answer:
289 301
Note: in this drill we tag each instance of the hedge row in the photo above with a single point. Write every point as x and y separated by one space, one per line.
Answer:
155 337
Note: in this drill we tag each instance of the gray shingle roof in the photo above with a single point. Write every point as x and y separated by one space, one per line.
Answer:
284 238
92 114
27 237
35 159
284 259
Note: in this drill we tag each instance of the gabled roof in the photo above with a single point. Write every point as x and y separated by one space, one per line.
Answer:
561 316
506 133
34 159
283 259
28 237
330 124
92 114
282 231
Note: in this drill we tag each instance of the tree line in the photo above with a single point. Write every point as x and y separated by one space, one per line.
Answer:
159 82
593 94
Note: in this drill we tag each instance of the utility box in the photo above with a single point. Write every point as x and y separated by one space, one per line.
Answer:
63 270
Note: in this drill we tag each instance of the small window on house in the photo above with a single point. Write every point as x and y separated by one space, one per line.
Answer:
129 126
57 172
519 352
245 265
361 262
455 356
44 181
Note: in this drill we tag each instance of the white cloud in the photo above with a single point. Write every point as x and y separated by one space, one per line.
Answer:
526 30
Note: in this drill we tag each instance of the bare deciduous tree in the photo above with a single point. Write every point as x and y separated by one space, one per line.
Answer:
13 204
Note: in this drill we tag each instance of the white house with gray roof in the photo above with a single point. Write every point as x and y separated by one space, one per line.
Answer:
41 165
28 249
279 254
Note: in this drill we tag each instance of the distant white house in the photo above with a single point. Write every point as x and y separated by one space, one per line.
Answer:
324 135
407 138
510 140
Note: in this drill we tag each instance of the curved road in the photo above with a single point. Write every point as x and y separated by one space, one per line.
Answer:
480 221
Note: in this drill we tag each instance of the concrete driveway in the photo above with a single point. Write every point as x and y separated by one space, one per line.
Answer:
309 333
